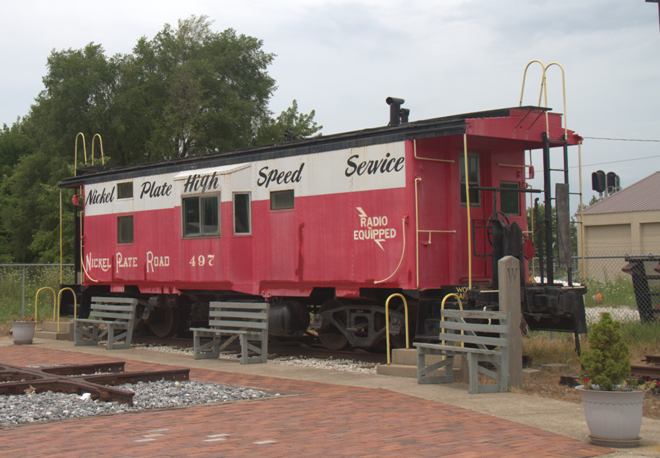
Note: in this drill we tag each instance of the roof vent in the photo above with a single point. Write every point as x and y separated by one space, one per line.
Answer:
398 115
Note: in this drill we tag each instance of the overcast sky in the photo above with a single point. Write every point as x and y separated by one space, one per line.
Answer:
343 59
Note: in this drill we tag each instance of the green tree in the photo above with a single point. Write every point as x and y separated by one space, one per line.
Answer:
299 124
608 360
187 91
202 91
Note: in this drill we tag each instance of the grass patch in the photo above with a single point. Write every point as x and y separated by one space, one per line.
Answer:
543 349
643 339
11 280
614 293
644 336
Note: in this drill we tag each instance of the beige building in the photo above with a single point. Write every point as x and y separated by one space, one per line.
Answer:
627 222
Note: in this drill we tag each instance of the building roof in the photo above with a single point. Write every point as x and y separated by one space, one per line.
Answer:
641 196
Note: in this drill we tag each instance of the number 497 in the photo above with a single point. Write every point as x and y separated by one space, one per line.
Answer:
201 260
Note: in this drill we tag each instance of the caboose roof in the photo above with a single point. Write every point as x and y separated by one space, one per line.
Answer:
522 125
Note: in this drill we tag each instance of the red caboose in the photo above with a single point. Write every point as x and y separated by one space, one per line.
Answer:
340 221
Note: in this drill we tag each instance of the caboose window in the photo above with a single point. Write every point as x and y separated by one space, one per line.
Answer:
124 229
200 216
510 201
242 213
473 175
124 190
281 200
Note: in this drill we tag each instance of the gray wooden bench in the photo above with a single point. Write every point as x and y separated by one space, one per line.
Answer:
491 349
247 321
118 316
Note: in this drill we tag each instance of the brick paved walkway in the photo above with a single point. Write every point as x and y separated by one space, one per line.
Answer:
309 419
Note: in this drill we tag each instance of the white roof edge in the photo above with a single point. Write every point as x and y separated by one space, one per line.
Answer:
223 170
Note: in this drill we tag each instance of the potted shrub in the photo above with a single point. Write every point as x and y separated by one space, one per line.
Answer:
22 330
612 400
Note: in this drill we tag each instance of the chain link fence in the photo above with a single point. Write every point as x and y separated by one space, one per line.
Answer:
19 284
626 286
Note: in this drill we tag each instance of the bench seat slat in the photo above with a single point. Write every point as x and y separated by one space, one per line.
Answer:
220 331
240 305
476 314
454 349
475 327
111 307
496 341
231 314
238 324
111 315
113 300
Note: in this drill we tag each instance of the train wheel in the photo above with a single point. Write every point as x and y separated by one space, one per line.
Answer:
331 337
162 321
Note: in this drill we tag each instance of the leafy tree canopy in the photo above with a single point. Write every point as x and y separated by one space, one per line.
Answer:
187 91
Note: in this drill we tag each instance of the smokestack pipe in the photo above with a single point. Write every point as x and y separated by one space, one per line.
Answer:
395 110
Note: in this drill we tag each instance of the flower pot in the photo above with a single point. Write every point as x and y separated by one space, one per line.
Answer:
613 416
23 332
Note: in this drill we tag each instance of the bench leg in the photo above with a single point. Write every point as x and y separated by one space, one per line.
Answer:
244 349
114 337
264 347
200 350
80 332
504 372
423 370
473 369
111 336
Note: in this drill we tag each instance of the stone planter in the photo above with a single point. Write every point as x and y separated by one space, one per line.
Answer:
23 332
614 418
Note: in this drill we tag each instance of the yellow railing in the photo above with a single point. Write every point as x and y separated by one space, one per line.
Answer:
544 92
56 304
36 296
387 321
75 151
75 305
542 81
442 307
100 146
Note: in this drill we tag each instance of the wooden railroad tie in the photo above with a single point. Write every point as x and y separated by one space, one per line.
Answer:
82 378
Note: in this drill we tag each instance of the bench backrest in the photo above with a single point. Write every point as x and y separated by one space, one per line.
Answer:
239 316
454 323
113 308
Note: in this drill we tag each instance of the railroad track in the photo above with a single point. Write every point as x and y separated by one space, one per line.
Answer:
306 349
650 370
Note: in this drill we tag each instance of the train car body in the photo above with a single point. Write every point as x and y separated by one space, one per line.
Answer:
339 221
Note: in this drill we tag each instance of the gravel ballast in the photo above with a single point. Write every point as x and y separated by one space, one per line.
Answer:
28 408
336 364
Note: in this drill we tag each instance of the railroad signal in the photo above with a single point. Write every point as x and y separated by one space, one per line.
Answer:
607 184
598 182
613 183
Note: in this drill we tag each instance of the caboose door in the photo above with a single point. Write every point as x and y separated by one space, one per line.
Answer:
476 233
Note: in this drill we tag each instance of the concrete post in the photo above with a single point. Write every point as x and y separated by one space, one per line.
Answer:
509 275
